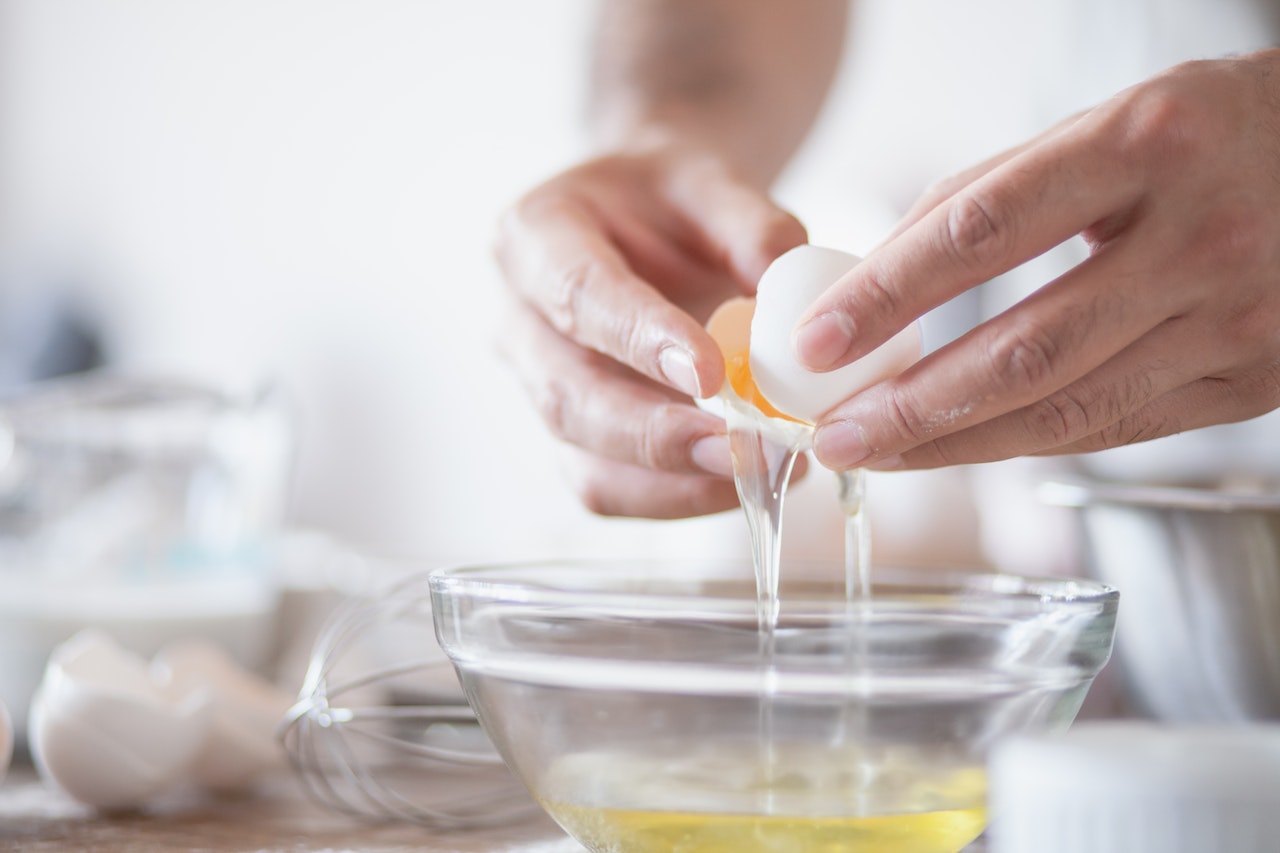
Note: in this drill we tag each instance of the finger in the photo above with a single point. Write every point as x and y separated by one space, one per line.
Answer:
612 488
594 403
740 226
1119 389
608 487
1051 339
1030 203
949 186
559 261
1205 402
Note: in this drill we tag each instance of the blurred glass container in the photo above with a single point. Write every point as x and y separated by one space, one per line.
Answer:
144 507
1200 571
1138 787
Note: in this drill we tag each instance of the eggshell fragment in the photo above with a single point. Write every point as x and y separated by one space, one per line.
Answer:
244 710
787 289
112 729
104 732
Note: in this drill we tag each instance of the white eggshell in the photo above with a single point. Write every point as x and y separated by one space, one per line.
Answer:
730 327
788 287
104 732
6 740
244 711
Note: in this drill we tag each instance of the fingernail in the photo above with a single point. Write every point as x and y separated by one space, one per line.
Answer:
821 343
840 445
711 454
677 367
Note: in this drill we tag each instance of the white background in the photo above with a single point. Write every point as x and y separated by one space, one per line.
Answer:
305 191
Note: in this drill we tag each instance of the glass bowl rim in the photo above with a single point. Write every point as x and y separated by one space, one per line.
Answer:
517 583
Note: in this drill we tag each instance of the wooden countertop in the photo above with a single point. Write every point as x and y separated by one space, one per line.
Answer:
276 818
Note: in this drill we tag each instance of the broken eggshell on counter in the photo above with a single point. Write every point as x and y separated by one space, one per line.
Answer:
244 711
760 330
102 730
112 729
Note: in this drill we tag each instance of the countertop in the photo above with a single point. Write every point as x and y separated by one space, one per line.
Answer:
276 818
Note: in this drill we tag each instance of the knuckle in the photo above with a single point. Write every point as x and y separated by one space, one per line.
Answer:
1021 360
905 420
636 344
1136 429
594 493
1163 123
662 443
1072 413
1060 418
1135 390
940 453
562 288
978 233
1232 238
567 293
875 296
554 405
781 231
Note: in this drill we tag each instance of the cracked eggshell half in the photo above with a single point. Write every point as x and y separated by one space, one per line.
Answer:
787 289
103 731
244 710
730 328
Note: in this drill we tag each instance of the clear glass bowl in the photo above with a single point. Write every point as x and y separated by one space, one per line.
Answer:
645 711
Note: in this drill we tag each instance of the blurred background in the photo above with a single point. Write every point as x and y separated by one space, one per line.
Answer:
300 195
303 194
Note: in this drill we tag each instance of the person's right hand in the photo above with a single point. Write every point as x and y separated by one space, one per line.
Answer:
614 267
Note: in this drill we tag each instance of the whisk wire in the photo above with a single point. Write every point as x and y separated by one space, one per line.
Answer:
389 761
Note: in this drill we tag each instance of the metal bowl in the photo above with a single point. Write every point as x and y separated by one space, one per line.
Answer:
1199 569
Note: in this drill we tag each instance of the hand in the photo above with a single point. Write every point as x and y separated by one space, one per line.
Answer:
1172 323
614 267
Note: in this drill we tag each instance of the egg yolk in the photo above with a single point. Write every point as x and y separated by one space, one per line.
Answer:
737 368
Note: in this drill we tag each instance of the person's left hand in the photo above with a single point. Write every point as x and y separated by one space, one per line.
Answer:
1172 323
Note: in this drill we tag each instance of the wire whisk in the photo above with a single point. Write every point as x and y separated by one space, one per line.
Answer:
385 735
